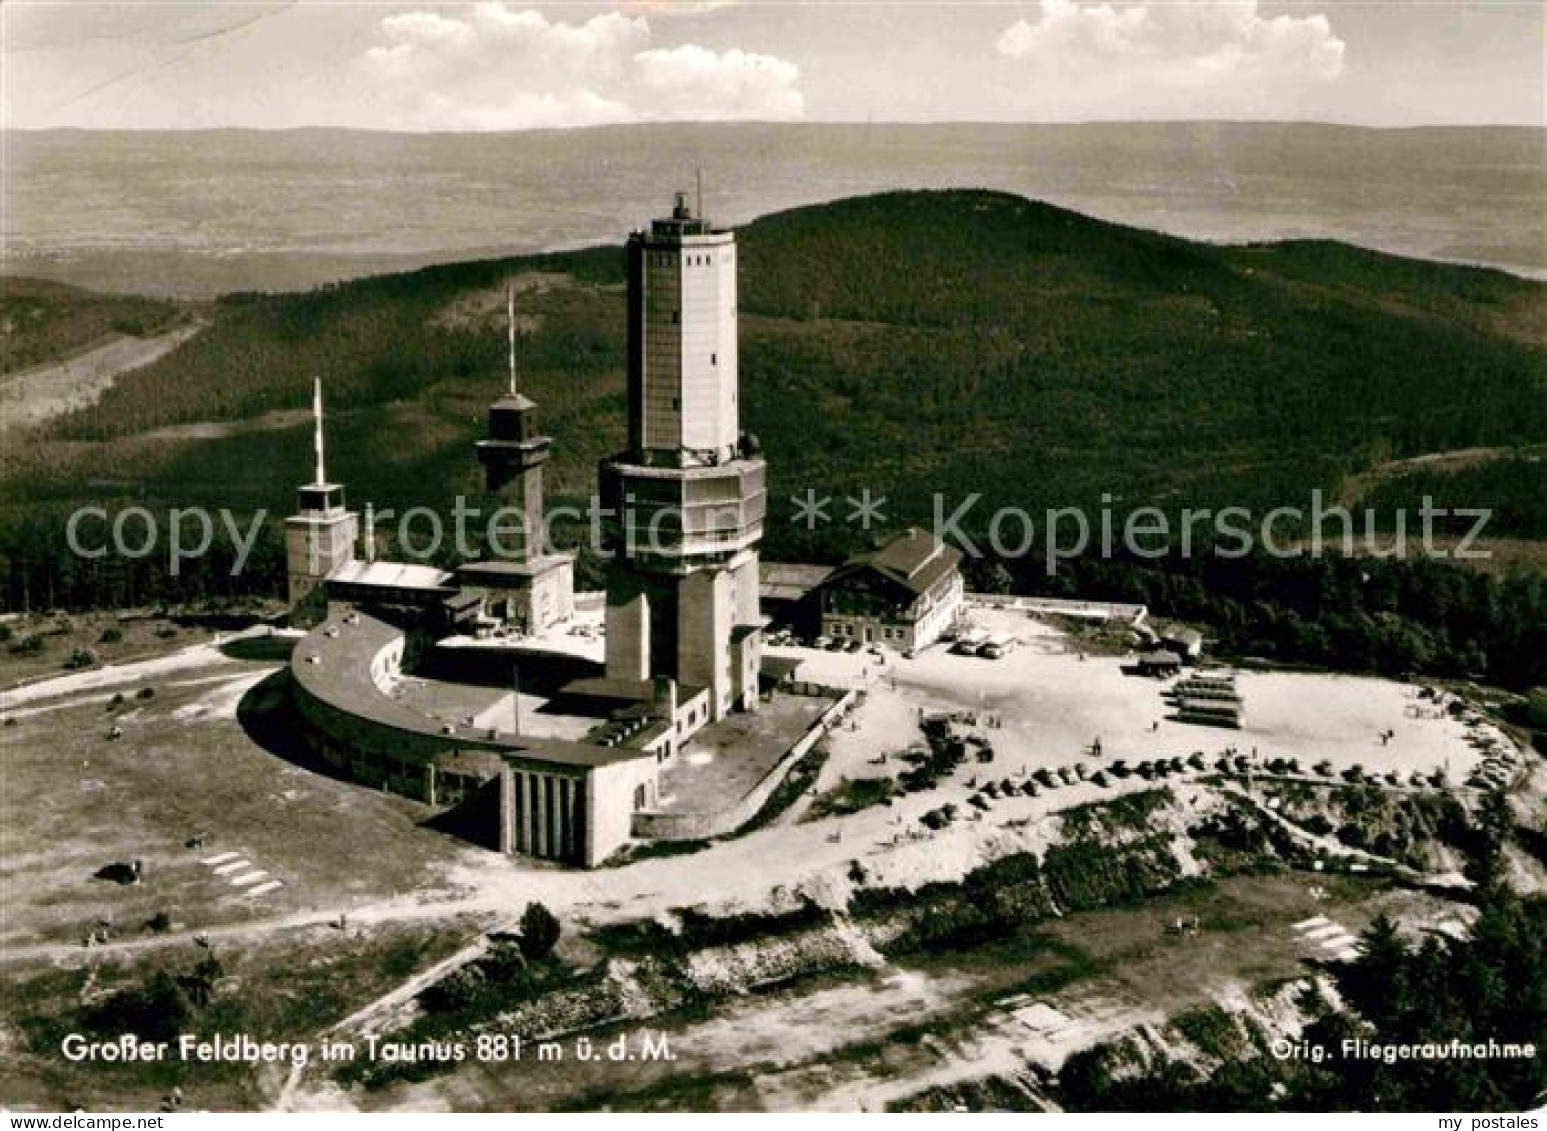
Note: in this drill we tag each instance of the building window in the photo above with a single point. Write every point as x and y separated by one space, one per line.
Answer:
714 359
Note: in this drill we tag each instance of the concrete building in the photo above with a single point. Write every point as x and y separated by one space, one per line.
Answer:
688 495
558 800
320 537
683 625
524 584
902 596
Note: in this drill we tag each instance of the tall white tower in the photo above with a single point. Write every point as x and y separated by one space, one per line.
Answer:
320 536
689 497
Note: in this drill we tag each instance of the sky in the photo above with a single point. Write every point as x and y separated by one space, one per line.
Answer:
512 65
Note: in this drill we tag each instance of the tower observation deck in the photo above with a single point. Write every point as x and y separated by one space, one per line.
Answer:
688 495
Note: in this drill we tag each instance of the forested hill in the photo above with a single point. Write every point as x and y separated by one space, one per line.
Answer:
913 342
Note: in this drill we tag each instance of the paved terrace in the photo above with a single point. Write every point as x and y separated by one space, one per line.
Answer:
725 760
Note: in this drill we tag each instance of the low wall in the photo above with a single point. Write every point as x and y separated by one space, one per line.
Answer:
1096 610
702 826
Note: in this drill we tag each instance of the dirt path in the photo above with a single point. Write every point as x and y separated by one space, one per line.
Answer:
398 996
1356 487
45 391
734 872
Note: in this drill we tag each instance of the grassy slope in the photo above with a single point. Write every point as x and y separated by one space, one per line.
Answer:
910 342
43 321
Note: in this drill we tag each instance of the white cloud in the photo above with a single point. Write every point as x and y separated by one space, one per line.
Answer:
693 82
677 7
1109 56
496 67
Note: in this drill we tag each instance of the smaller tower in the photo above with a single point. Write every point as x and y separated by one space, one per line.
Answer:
513 458
320 536
523 584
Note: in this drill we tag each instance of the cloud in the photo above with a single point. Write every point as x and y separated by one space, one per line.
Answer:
1170 50
677 7
495 67
693 82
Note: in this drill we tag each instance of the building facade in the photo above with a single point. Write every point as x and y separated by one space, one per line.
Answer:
686 499
902 596
320 537
684 628
571 802
523 583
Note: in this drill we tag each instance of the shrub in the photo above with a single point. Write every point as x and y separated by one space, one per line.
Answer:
540 931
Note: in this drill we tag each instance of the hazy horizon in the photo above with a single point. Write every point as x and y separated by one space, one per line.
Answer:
1096 123
199 213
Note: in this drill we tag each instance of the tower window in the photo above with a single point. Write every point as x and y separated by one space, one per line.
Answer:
714 359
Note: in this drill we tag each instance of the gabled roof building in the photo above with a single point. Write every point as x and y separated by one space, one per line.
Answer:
901 596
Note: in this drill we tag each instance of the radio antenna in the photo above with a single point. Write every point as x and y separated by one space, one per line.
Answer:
317 428
510 329
698 178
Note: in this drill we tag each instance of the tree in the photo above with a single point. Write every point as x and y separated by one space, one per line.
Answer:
1377 984
1484 865
540 931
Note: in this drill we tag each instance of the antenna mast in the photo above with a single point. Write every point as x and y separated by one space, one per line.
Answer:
698 179
510 326
317 424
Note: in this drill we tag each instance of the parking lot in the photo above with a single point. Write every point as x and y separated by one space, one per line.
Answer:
1047 704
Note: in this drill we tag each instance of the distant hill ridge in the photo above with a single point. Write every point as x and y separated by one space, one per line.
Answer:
958 341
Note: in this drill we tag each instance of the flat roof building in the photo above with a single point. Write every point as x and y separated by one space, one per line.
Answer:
684 628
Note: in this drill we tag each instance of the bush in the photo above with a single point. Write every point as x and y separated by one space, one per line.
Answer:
29 645
83 658
540 931
111 635
460 989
